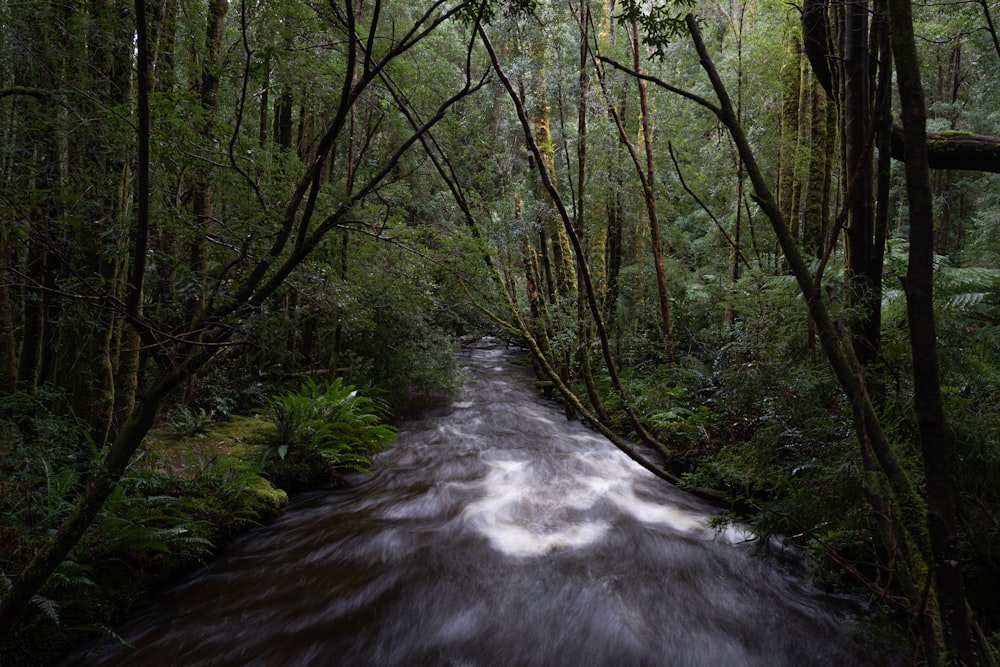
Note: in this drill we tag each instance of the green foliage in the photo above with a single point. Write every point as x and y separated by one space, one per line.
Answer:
676 402
336 422
167 514
67 575
146 523
33 421
42 457
189 422
660 22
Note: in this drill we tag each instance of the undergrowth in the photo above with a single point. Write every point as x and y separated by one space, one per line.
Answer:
196 483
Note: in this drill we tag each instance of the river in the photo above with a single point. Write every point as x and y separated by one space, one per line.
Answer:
495 532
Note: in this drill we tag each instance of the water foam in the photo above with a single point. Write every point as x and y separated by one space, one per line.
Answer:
523 513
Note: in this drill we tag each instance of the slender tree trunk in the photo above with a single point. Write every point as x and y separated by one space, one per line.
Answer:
945 192
554 237
202 182
554 250
790 76
859 168
799 174
585 329
613 258
33 319
648 178
918 285
162 38
883 178
201 188
8 341
815 216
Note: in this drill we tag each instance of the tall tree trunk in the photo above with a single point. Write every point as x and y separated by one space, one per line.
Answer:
799 174
553 235
949 78
201 185
918 285
648 179
613 257
790 77
864 277
585 329
555 253
815 215
162 39
146 83
8 340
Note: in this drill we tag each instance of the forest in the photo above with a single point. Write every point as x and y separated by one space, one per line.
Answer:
754 243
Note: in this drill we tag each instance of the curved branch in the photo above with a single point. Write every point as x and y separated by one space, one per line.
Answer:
697 99
729 239
574 238
240 106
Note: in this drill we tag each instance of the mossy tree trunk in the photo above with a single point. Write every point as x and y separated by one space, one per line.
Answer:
816 210
790 77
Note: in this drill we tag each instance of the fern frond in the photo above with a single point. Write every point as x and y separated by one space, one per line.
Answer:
47 606
964 302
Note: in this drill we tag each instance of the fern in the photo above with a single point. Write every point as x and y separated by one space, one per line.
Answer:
70 574
189 423
47 606
337 422
152 524
963 302
960 292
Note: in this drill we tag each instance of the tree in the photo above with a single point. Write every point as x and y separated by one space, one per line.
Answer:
251 270
647 178
835 342
918 283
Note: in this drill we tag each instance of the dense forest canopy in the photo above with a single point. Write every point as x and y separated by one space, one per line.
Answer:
754 244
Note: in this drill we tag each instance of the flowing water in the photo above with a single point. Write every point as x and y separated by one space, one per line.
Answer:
495 532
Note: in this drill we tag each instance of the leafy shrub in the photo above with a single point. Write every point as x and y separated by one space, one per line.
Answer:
336 423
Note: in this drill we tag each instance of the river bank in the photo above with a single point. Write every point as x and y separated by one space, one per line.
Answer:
193 488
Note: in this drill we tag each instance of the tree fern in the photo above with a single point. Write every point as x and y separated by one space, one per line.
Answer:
961 293
968 292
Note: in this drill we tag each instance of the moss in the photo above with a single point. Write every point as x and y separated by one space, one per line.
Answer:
264 490
209 487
